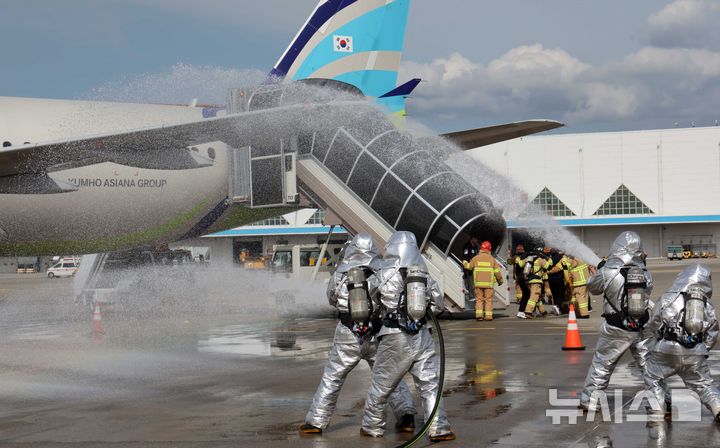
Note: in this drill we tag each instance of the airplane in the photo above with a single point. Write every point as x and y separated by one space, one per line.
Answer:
85 176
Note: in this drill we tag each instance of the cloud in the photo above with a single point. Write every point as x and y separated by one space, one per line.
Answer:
534 64
696 63
681 13
674 76
686 24
652 87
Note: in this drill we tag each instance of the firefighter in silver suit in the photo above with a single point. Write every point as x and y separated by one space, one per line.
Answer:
622 329
352 344
682 331
405 343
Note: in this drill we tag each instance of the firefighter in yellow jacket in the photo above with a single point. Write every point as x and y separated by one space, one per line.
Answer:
580 273
534 266
486 272
513 262
546 291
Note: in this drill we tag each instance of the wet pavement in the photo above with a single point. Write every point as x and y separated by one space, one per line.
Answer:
216 376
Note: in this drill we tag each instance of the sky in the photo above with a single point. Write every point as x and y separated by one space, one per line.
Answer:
594 65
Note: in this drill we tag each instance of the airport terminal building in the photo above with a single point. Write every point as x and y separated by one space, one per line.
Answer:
663 184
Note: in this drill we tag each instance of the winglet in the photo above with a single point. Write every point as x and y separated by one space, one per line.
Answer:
403 90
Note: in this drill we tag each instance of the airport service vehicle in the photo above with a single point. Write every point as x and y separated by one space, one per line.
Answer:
674 252
64 268
302 260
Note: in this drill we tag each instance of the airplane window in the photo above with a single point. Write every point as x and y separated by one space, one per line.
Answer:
211 153
6 144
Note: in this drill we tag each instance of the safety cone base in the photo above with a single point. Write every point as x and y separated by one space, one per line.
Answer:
574 348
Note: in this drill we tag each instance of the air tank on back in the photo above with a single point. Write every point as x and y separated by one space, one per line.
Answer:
403 179
694 311
358 301
637 298
416 292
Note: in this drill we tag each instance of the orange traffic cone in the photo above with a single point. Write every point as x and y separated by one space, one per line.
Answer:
572 335
97 321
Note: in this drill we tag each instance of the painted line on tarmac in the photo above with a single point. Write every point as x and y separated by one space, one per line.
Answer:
470 329
295 331
547 334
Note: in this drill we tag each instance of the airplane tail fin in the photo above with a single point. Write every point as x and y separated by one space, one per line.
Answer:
394 100
355 41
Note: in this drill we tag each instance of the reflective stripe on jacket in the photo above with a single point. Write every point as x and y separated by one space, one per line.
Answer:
486 271
580 273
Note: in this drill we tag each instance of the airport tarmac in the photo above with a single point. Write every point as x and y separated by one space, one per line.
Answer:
218 376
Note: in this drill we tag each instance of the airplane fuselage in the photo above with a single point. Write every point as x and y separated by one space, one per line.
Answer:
113 205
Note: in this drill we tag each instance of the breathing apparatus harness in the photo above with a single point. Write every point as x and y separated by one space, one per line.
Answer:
692 315
633 313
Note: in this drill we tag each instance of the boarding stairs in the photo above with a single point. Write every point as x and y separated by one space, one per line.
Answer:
321 186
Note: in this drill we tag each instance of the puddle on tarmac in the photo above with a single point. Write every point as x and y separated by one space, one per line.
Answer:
35 331
281 339
236 340
484 381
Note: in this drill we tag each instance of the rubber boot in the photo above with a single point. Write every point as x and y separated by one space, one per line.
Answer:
443 437
309 429
406 423
367 434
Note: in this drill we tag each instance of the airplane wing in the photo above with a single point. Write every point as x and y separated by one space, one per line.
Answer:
474 138
24 168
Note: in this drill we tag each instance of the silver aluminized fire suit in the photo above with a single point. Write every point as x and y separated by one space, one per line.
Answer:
614 341
398 351
348 349
668 356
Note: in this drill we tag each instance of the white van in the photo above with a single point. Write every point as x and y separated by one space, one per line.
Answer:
65 268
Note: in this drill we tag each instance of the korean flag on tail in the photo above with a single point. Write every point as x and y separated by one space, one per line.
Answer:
343 44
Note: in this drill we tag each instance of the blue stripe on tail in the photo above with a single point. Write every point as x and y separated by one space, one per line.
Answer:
322 14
